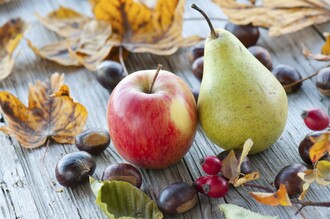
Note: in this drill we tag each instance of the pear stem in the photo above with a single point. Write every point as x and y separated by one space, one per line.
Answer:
213 33
159 67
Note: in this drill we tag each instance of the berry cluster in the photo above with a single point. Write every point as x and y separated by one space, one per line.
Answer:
212 185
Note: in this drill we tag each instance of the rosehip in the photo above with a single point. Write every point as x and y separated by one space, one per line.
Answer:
198 184
211 164
214 186
315 119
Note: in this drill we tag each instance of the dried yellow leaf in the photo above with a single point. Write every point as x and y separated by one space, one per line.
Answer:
11 34
64 21
280 16
154 28
51 113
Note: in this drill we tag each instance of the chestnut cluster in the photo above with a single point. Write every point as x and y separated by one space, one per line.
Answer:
75 168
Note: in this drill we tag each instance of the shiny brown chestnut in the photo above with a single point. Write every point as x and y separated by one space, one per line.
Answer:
197 67
109 73
93 140
246 164
287 75
123 172
323 81
247 34
177 198
74 168
262 55
196 51
289 177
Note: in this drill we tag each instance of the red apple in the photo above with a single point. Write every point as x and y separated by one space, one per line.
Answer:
152 130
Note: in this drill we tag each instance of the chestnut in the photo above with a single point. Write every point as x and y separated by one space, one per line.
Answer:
247 34
109 73
197 67
93 140
287 75
74 168
306 144
323 81
177 198
262 55
246 164
123 172
292 182
196 51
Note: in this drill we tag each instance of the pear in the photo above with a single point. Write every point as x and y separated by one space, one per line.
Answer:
239 97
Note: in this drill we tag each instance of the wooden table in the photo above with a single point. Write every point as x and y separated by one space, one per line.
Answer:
27 184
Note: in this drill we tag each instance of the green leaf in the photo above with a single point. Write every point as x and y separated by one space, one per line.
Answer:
121 200
232 211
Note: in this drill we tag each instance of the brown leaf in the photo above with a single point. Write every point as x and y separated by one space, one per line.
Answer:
325 51
11 34
280 16
318 57
64 21
51 113
57 52
91 47
231 167
155 29
280 197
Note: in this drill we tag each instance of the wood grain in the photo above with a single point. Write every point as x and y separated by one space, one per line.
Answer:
28 185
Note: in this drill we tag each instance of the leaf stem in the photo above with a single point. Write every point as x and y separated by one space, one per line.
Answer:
258 187
199 18
159 67
309 203
121 59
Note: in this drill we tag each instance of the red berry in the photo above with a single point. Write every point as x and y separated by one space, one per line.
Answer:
315 119
198 184
216 186
211 165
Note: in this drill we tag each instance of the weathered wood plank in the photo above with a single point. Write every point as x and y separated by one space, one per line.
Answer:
27 182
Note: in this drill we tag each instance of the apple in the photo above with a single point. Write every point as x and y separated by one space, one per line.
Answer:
152 118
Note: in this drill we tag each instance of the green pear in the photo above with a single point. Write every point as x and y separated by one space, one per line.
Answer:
239 97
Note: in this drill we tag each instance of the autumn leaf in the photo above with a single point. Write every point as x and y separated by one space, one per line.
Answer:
11 34
64 21
93 45
57 52
86 40
280 16
320 174
51 113
320 147
280 197
324 55
231 167
145 28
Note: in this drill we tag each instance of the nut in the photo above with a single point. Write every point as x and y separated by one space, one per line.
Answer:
177 198
93 140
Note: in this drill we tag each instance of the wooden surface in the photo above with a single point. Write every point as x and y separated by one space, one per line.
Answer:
28 185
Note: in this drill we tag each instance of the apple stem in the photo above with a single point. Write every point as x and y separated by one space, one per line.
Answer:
159 67
213 33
